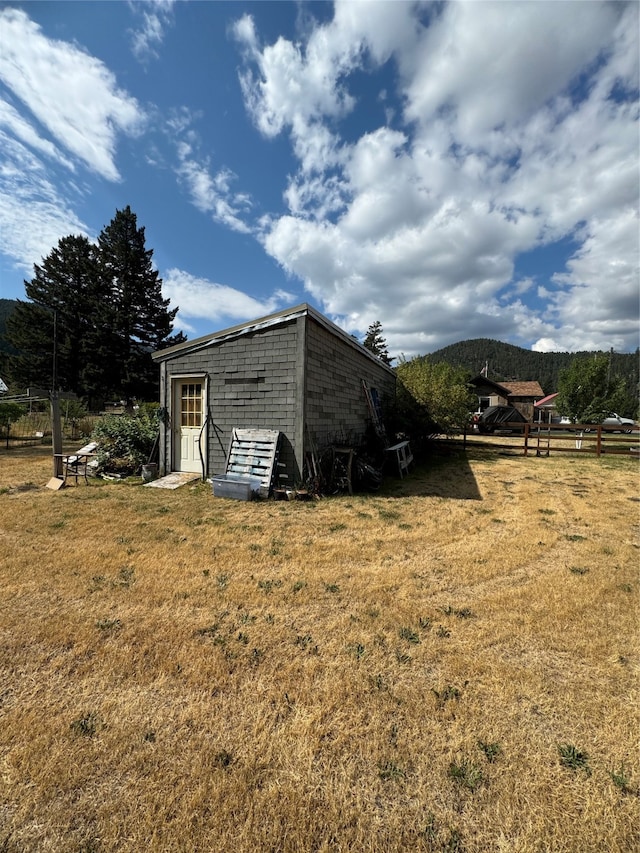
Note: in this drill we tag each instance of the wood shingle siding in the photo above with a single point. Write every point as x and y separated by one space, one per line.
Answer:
295 372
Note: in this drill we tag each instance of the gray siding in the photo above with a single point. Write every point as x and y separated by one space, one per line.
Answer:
251 382
297 377
335 404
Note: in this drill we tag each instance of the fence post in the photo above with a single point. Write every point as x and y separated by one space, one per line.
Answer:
599 440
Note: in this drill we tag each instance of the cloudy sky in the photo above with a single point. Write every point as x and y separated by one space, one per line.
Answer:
454 170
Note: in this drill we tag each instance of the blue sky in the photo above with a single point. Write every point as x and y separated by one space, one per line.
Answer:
454 170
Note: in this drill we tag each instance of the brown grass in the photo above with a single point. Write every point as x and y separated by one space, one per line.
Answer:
385 672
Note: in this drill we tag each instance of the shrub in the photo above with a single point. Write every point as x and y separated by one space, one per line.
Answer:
9 413
125 442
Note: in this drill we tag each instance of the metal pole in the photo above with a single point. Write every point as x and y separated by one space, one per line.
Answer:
56 426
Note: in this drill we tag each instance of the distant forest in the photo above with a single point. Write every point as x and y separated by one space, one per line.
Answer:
509 363
505 361
6 307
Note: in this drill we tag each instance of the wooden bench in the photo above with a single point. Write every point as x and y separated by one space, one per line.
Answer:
403 456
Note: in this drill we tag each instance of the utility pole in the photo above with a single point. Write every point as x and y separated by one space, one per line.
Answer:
56 425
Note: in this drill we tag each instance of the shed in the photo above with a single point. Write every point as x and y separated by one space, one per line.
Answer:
294 371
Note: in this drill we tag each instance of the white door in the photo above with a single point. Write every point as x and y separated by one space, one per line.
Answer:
188 417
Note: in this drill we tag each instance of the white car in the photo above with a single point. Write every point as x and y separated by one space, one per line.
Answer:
624 424
611 419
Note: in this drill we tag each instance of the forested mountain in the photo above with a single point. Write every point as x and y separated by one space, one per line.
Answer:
507 362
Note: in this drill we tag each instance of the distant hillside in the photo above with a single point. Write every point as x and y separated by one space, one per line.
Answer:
507 362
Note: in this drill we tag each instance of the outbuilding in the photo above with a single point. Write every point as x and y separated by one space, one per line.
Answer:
295 372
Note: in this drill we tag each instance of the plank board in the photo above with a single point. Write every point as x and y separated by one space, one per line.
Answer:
254 453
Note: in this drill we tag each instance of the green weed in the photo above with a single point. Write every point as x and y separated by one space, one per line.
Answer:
223 759
305 642
389 514
460 612
449 694
269 585
621 780
390 770
126 577
358 650
208 631
573 758
491 750
466 774
87 725
409 635
108 624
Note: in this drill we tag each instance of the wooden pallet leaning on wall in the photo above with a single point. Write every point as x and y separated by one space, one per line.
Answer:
254 453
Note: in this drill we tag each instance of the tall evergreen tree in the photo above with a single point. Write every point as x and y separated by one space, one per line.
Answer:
141 317
101 308
59 321
375 342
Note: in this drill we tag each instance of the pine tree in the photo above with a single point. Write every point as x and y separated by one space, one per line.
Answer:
101 309
141 317
58 324
375 342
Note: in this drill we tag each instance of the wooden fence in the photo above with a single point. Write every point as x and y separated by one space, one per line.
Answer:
544 439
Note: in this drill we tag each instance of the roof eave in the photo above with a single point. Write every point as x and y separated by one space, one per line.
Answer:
304 309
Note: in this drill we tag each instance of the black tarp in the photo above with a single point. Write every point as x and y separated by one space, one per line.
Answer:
493 418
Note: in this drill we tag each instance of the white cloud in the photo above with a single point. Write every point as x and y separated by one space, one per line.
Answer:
68 92
494 64
599 293
209 192
18 127
33 213
156 16
199 298
516 135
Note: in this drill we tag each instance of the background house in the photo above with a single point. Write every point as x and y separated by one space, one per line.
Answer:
489 393
294 371
521 395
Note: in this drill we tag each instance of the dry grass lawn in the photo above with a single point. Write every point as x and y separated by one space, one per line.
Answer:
450 664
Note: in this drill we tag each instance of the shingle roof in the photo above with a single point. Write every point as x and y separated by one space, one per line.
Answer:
524 389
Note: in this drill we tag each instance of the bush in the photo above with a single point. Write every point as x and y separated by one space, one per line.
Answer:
433 398
125 442
10 413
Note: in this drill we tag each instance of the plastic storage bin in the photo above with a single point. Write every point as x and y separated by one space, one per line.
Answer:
235 487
